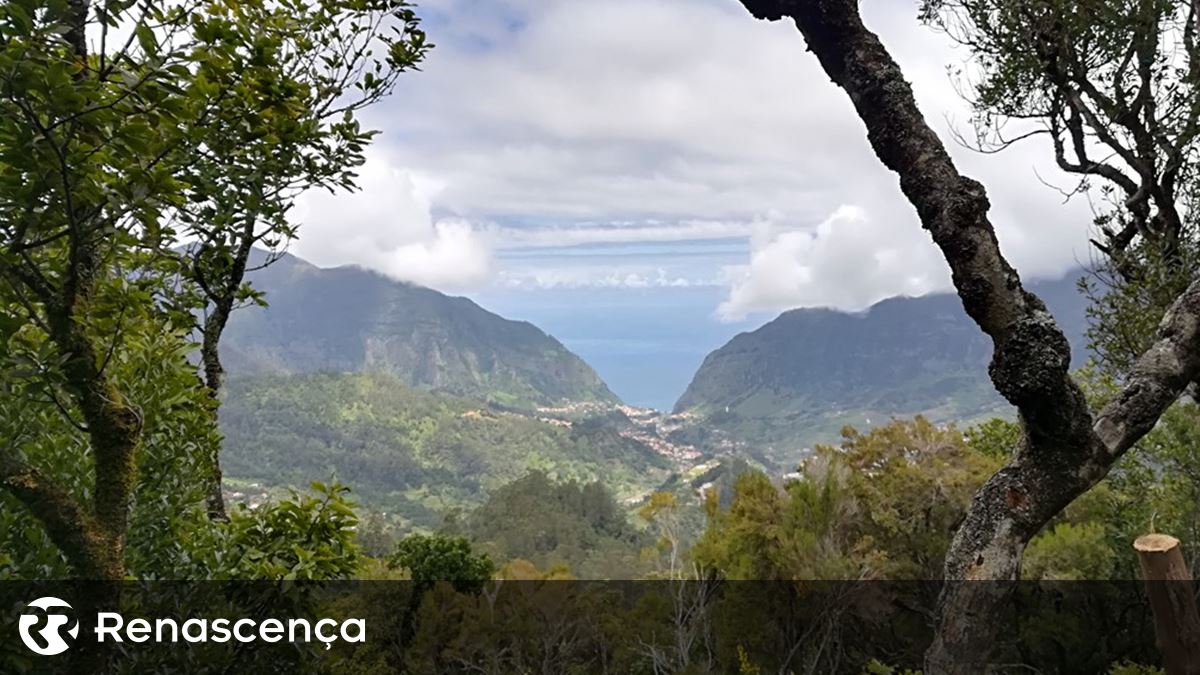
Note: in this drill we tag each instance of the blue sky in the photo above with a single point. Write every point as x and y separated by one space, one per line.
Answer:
669 161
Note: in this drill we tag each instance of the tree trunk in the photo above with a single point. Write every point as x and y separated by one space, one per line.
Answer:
92 537
92 552
222 294
214 379
1065 451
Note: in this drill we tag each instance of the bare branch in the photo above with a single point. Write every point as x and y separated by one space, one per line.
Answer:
1158 379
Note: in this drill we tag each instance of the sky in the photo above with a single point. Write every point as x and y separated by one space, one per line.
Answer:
674 162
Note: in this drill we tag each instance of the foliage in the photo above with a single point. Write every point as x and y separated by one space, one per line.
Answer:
795 533
913 481
997 438
523 570
414 454
1069 552
1124 314
662 512
178 436
885 505
703 626
309 537
1155 489
112 152
875 667
432 558
1113 86
375 537
1127 668
549 523
292 78
882 505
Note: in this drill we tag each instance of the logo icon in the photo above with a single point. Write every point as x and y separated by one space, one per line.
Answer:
54 616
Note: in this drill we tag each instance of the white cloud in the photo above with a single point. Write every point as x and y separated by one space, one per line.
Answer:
852 260
580 234
621 121
453 257
388 226
595 277
602 110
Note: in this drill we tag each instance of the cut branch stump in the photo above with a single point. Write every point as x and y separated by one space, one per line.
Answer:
1173 601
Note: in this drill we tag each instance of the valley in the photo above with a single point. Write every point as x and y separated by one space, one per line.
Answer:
428 404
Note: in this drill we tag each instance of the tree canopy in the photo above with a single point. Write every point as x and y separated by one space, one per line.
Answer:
126 129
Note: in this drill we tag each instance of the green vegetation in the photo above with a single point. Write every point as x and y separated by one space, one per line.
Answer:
351 320
204 123
882 505
414 454
429 559
800 378
572 525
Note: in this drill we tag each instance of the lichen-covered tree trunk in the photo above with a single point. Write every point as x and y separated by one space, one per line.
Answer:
214 379
90 534
1065 450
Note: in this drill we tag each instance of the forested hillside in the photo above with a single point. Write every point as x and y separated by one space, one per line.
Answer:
414 453
809 372
348 319
576 528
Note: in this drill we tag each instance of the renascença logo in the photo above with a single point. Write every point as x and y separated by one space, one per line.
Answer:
48 639
46 619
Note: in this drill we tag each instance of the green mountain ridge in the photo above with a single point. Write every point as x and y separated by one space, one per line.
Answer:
348 319
801 377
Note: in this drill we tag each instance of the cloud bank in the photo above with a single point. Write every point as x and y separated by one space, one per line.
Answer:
568 125
388 225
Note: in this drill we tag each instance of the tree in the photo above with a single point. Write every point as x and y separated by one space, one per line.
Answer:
802 531
302 74
375 536
1069 552
433 559
548 522
108 157
1113 86
661 512
913 481
880 505
1065 449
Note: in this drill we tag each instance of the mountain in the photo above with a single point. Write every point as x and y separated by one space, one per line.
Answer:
807 373
415 454
348 319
